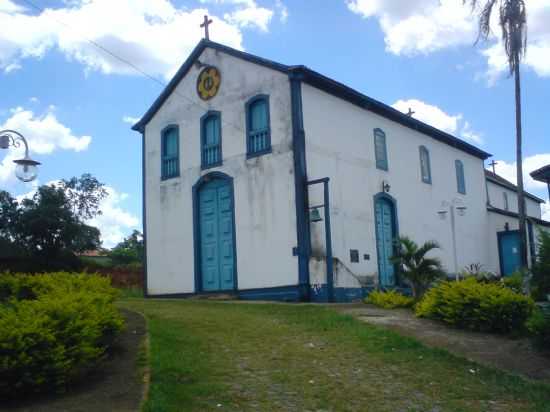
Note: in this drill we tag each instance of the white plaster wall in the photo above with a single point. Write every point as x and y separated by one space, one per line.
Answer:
496 199
264 186
340 145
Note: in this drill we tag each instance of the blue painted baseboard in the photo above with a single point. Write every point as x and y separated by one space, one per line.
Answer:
282 293
319 294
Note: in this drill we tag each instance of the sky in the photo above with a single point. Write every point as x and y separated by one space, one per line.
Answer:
76 103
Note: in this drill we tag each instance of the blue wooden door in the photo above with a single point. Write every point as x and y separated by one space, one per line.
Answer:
217 249
385 234
510 256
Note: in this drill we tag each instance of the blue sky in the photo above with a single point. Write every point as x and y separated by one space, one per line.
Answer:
75 103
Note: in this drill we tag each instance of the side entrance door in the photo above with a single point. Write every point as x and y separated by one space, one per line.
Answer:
216 231
509 253
385 236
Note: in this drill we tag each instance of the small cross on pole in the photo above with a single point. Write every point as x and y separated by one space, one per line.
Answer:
205 24
410 112
493 164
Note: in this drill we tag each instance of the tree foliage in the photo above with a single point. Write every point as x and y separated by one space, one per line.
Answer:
50 226
415 266
541 268
130 250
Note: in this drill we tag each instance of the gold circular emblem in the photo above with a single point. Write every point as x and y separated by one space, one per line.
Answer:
208 83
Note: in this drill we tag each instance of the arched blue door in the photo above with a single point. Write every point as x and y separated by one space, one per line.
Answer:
386 233
216 236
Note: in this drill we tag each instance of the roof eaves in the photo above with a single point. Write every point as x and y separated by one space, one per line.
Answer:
184 69
347 93
514 214
499 180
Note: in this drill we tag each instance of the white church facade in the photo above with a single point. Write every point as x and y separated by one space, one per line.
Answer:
270 181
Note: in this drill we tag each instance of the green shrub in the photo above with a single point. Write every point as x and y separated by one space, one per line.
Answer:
53 328
389 300
541 268
539 326
514 282
476 305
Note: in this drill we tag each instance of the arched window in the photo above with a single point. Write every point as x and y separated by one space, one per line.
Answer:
258 130
211 140
170 162
505 198
460 181
380 151
425 168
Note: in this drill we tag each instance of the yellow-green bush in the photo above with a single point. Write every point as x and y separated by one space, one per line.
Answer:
389 300
53 328
514 282
476 305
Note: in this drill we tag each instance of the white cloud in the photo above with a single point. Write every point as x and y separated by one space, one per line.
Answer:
152 34
44 134
114 223
247 13
530 163
422 26
34 100
130 120
434 116
283 11
426 26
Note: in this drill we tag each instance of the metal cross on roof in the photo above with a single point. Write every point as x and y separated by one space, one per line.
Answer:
493 164
207 22
410 112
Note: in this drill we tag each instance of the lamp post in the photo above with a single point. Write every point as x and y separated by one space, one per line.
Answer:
451 207
26 169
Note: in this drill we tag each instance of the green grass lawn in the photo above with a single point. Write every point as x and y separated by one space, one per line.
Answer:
255 357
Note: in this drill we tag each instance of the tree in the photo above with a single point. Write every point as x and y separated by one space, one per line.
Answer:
418 269
541 268
513 24
50 226
130 250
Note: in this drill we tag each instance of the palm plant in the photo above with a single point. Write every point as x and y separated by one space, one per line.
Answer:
513 24
418 269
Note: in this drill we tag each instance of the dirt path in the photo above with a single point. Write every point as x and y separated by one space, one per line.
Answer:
513 355
115 385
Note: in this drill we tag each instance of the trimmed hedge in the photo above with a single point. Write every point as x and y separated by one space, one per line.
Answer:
389 300
53 328
475 305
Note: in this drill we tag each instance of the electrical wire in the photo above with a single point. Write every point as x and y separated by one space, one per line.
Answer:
125 61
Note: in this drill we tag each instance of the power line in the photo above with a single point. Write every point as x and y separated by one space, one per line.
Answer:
125 61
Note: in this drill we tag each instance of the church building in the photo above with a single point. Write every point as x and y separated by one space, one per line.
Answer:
269 181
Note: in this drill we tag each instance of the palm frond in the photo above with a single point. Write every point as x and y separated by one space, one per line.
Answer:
513 24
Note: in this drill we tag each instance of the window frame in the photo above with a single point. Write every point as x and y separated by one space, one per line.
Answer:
506 201
204 119
460 177
248 107
382 164
423 150
163 135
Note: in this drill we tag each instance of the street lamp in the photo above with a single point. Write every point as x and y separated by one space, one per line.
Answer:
26 169
451 207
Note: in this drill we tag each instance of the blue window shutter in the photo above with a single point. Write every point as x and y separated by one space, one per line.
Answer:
258 140
506 205
380 150
211 140
170 152
425 167
460 181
